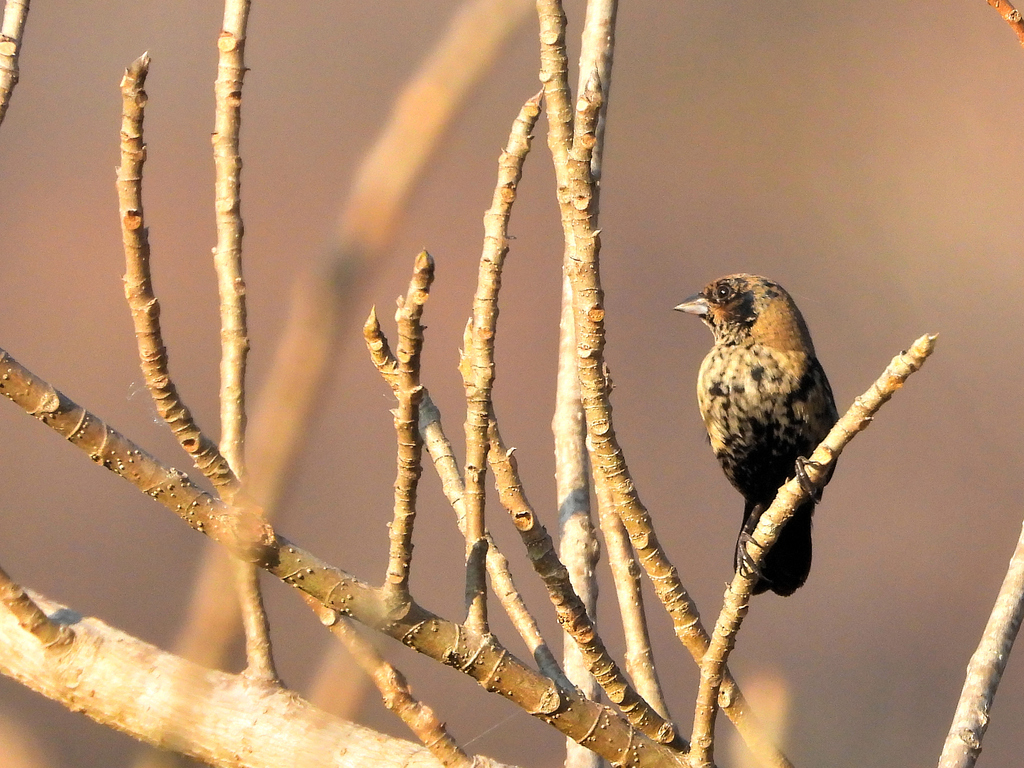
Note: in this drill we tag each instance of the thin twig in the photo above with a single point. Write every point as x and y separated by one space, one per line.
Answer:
394 689
234 335
15 13
963 743
478 358
30 616
639 656
569 609
1011 16
479 656
578 544
410 445
441 453
790 496
228 252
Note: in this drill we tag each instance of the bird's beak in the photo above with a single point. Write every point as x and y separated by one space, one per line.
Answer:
695 305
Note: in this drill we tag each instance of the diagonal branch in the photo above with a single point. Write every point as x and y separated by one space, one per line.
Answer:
32 618
250 537
15 13
963 743
790 496
1011 16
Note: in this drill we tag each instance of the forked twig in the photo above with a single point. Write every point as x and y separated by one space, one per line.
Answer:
443 458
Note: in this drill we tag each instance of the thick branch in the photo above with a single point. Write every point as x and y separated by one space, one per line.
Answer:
790 496
161 699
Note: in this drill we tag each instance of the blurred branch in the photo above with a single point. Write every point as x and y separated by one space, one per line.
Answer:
1011 16
159 698
394 689
15 13
790 496
963 743
305 352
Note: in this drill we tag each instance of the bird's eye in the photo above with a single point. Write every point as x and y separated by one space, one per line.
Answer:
723 292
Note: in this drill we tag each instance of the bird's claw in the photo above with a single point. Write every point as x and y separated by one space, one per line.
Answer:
805 481
745 564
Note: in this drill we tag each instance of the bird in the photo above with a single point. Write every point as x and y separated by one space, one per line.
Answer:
766 403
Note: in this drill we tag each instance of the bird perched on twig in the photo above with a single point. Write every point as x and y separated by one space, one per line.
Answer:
766 403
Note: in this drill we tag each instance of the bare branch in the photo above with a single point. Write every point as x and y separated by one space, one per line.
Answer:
576 191
790 496
569 609
639 657
31 617
418 122
410 445
478 361
251 537
1011 16
394 689
15 13
963 743
139 689
227 255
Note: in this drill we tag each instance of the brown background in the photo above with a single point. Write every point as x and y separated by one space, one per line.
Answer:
867 155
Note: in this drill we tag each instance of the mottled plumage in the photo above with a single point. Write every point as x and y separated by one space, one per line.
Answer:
766 403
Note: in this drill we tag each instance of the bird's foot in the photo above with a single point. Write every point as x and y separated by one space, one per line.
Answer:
745 565
805 481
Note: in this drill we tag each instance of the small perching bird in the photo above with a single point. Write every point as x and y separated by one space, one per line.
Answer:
766 403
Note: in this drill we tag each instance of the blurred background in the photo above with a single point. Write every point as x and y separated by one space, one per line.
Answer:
866 155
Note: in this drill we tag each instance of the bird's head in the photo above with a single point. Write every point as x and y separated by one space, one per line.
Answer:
748 308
